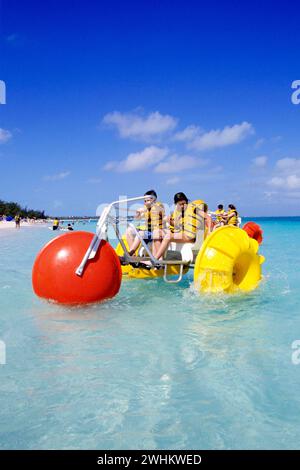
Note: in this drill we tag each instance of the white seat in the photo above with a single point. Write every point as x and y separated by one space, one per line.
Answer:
188 250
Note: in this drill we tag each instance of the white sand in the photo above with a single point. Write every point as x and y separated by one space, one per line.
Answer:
11 224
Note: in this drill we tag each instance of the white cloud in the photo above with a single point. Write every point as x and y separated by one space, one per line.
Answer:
259 143
58 176
276 182
176 164
293 182
4 136
139 160
272 140
270 194
288 165
286 176
133 125
260 162
188 134
221 138
112 165
286 182
173 180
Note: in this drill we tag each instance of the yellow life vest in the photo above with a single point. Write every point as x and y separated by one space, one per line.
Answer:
178 217
219 213
154 216
193 220
234 219
55 223
189 221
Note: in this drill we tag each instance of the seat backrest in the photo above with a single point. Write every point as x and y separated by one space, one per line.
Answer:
199 239
188 250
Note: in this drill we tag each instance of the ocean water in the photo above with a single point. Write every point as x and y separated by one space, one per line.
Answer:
156 367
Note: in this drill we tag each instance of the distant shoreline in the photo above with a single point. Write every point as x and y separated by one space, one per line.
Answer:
4 225
12 225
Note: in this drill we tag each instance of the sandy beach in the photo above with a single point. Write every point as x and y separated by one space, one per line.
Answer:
12 225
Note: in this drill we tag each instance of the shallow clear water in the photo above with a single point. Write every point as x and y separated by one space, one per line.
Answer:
158 366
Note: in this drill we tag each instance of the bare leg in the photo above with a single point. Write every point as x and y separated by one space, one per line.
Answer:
157 240
155 247
134 246
170 237
130 237
164 245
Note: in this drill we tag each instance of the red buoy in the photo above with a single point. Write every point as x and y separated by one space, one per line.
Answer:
54 278
254 231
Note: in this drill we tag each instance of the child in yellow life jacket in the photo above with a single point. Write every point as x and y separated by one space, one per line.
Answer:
176 219
220 215
184 222
153 214
232 215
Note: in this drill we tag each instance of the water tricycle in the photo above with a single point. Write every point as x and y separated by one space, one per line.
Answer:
81 268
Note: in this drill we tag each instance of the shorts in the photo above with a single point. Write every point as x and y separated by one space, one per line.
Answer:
148 236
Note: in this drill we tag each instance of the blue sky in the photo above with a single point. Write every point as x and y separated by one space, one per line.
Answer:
115 98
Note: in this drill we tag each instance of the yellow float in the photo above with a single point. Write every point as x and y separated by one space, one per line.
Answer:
228 261
139 273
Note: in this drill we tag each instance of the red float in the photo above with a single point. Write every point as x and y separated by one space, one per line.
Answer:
54 278
254 231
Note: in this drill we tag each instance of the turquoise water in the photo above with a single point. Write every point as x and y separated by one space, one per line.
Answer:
158 366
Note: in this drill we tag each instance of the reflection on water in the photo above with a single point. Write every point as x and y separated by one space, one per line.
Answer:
158 366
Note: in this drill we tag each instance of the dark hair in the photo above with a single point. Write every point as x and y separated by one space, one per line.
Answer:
220 206
180 197
232 207
151 193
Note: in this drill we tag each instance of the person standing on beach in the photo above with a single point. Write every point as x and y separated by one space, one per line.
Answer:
55 224
18 220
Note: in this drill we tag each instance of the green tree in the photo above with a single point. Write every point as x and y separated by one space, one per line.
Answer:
13 208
